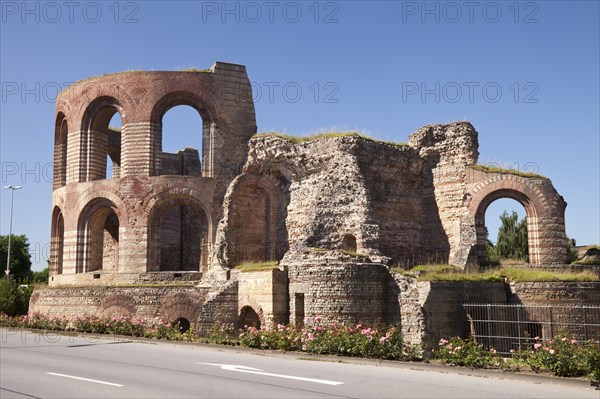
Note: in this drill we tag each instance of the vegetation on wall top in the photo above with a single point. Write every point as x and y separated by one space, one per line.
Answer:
325 135
495 169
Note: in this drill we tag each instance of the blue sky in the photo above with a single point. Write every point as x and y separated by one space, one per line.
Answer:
526 74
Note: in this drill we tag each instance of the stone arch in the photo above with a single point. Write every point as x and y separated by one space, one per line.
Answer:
179 233
57 242
250 317
61 131
97 140
210 128
256 213
544 210
180 306
98 240
117 305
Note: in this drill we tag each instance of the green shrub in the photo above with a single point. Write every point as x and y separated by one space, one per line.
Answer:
14 298
563 357
465 352
257 266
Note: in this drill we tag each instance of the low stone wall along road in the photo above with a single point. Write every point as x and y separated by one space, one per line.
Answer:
61 366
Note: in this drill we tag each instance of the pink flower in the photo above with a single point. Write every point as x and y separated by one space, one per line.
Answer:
537 346
537 338
512 351
551 351
573 341
442 342
564 339
493 350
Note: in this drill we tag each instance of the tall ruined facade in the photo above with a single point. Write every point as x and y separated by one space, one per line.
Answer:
162 236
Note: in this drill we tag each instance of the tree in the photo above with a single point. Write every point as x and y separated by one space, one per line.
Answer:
20 260
14 299
512 238
40 277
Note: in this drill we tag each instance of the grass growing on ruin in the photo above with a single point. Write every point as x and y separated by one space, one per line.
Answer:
486 277
107 74
494 169
526 275
257 266
195 70
455 273
587 262
320 136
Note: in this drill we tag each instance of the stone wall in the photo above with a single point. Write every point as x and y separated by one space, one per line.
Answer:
167 303
221 306
103 278
548 307
338 290
555 293
433 310
266 292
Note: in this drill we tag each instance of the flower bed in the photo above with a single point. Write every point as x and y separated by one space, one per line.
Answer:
561 356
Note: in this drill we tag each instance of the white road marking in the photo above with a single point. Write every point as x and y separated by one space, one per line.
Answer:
251 370
85 379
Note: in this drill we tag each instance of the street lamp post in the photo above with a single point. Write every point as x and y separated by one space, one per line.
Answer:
12 196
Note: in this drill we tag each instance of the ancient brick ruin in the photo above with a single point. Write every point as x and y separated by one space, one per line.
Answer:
162 236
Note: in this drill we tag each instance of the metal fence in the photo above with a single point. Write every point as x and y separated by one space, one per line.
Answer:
505 327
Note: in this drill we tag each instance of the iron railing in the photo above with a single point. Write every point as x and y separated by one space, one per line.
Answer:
505 327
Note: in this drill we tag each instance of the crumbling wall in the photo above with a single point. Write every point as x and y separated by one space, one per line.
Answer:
343 190
392 175
315 170
447 151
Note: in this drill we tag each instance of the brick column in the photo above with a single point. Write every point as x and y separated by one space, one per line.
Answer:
141 147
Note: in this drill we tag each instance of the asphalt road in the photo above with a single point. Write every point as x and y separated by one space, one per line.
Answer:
53 366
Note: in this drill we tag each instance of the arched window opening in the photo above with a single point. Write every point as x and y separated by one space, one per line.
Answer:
503 233
113 154
57 243
349 243
60 151
179 238
248 318
182 141
102 140
102 241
